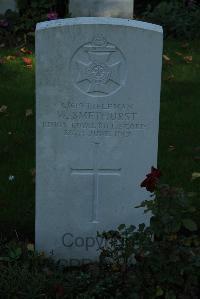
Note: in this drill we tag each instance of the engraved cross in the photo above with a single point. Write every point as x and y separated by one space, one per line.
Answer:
96 172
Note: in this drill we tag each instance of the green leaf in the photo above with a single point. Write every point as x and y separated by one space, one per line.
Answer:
4 259
18 251
170 295
175 226
134 296
159 292
192 210
121 227
31 34
15 253
141 227
131 229
189 224
12 254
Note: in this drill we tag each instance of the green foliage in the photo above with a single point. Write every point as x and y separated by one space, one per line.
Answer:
42 5
177 19
21 26
166 253
123 244
8 33
172 212
161 260
141 5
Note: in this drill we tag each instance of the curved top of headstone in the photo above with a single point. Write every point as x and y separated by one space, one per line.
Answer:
98 21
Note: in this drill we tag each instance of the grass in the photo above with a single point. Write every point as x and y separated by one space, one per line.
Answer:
179 117
178 139
17 147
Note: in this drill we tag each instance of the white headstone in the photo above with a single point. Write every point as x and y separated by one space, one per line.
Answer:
98 96
7 4
101 8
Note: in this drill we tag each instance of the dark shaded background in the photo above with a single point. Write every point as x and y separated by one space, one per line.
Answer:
141 5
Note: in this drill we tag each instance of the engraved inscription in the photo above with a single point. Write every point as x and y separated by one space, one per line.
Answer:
96 172
98 68
96 119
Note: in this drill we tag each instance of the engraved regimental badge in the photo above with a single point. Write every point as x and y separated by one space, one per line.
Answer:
98 68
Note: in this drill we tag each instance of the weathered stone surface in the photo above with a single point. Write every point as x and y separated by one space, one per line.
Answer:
102 8
98 95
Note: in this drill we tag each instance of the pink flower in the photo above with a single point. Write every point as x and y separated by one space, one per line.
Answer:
191 3
52 15
3 23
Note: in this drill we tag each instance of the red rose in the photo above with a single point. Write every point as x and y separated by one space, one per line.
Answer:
152 179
